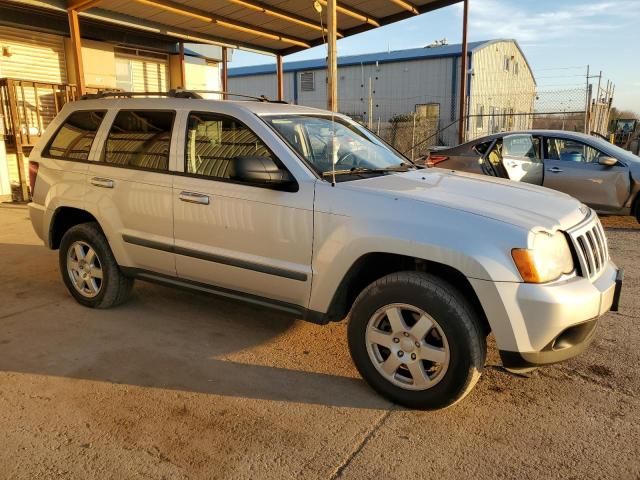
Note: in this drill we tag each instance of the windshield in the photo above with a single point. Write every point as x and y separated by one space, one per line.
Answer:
619 153
325 142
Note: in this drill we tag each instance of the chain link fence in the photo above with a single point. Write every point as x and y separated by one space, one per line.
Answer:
414 126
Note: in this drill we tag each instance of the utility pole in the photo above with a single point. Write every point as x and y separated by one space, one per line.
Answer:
332 57
463 75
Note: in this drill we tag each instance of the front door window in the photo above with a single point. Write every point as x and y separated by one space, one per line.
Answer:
571 151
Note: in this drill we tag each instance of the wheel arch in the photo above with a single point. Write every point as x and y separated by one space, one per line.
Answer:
62 220
373 266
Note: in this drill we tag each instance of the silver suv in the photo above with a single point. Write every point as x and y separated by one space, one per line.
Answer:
309 213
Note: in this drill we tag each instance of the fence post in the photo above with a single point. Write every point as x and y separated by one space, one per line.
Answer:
586 105
413 138
370 104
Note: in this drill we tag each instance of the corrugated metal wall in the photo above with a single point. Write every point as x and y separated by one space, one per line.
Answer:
397 89
148 73
263 85
499 90
38 57
32 56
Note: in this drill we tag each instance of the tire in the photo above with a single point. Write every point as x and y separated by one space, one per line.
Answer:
95 281
453 350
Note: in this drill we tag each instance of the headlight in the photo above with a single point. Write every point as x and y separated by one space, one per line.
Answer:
548 260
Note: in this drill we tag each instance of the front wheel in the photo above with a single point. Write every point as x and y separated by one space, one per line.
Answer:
416 341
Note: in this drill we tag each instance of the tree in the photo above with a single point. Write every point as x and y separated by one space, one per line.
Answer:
622 114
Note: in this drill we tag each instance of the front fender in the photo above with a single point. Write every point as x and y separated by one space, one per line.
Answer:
477 246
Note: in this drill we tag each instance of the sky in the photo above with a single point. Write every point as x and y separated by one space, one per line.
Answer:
559 38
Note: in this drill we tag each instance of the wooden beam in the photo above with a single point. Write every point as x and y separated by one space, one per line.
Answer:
183 71
353 13
280 75
462 115
206 17
281 14
364 27
16 131
81 5
225 72
407 6
332 58
76 47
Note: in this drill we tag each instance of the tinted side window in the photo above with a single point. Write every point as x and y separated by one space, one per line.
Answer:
213 142
140 139
74 138
570 151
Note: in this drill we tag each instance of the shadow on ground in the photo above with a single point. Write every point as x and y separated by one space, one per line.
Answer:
161 338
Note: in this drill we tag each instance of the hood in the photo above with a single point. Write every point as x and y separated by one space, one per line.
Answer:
524 205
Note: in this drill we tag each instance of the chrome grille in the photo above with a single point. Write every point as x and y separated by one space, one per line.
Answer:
590 246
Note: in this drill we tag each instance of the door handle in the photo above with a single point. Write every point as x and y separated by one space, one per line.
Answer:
192 197
554 170
102 182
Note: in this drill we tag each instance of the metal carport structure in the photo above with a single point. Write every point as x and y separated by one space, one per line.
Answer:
277 27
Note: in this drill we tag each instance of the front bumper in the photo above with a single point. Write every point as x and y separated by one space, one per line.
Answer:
542 324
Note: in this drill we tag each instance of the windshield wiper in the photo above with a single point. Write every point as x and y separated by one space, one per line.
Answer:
360 170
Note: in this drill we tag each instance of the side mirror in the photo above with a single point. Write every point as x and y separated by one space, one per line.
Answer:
607 161
262 171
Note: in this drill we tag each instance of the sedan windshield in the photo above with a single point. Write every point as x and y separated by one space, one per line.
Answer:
337 145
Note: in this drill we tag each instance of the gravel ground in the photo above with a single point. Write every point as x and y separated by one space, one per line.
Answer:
177 385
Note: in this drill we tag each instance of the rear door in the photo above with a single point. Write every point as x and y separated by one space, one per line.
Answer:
521 158
129 188
573 167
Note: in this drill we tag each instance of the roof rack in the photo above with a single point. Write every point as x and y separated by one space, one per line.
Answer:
174 93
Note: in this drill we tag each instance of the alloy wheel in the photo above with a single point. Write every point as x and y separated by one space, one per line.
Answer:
84 269
407 346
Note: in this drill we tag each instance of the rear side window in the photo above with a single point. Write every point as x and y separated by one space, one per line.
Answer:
74 138
140 139
213 142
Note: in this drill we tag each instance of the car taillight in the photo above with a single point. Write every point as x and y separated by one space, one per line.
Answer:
33 174
433 160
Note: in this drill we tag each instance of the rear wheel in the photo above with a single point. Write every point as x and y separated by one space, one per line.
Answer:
416 341
89 269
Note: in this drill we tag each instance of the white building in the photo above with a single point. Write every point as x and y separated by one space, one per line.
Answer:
377 87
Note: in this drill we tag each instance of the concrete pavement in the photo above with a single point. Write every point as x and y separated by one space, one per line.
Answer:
179 385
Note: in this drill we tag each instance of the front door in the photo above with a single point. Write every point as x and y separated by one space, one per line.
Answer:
241 237
521 158
130 188
573 167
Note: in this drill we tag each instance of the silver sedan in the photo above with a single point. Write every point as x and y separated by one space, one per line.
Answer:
600 174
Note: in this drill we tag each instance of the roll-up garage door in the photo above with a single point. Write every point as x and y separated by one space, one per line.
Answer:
36 57
32 55
141 71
